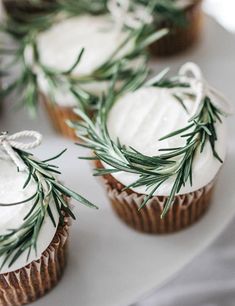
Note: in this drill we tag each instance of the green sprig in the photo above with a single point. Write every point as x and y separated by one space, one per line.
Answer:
165 10
49 192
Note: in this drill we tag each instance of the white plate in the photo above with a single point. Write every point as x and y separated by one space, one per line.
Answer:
110 264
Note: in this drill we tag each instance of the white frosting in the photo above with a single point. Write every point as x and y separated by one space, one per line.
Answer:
60 45
11 191
183 3
141 118
62 96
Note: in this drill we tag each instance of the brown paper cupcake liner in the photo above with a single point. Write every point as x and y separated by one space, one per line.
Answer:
185 211
180 38
58 116
186 208
31 282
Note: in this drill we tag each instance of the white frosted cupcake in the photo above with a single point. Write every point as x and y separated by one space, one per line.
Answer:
72 62
34 221
159 148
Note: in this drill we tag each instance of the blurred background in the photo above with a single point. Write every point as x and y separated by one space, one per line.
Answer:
223 11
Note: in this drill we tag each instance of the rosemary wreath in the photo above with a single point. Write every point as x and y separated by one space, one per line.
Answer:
27 85
49 192
176 163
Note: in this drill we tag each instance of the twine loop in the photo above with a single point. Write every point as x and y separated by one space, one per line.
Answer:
191 74
124 14
9 142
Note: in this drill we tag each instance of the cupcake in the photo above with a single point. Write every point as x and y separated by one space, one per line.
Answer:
159 149
72 62
35 219
183 18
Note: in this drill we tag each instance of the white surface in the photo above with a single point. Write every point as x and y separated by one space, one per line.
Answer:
139 119
223 11
111 265
13 216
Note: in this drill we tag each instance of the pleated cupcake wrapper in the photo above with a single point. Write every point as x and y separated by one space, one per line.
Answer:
31 282
59 115
180 38
186 209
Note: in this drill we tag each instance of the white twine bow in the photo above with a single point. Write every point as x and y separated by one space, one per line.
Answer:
201 89
123 15
8 142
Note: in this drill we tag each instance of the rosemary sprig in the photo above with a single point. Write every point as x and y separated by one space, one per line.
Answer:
75 7
152 172
31 13
165 10
49 192
27 84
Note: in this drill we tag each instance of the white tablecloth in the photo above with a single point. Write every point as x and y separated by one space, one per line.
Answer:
208 281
